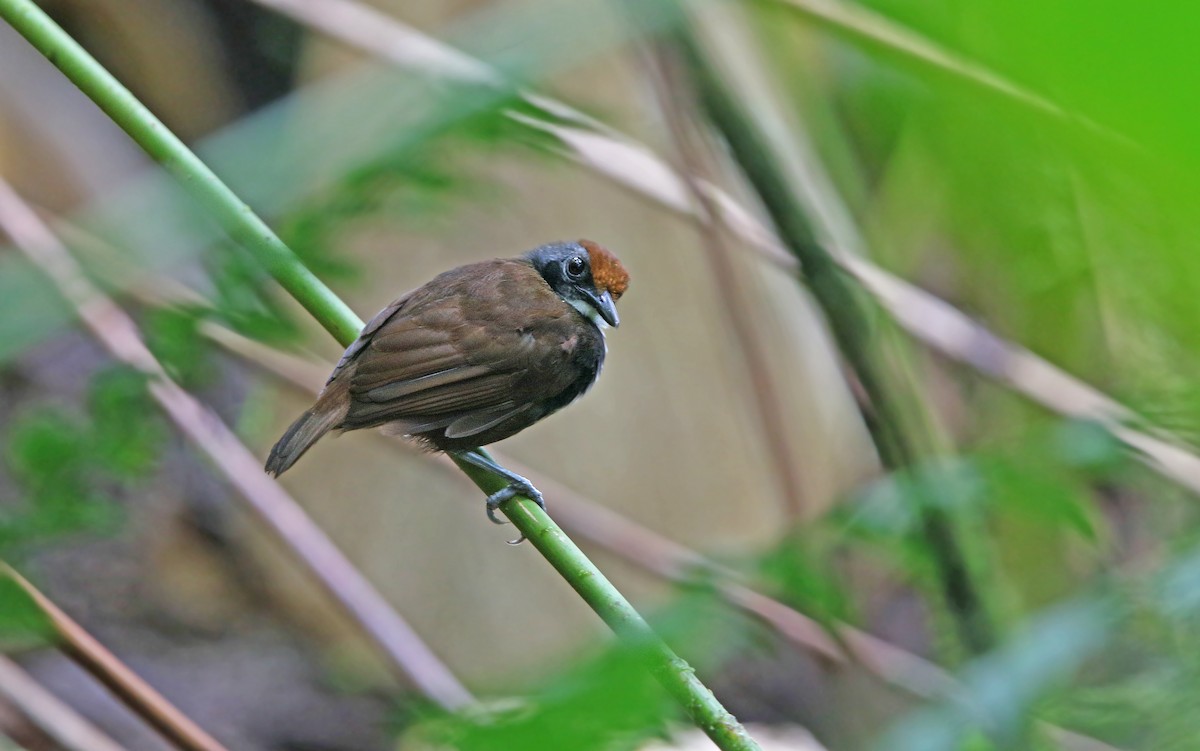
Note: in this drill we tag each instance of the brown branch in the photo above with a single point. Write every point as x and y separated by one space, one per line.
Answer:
54 718
406 653
670 89
103 665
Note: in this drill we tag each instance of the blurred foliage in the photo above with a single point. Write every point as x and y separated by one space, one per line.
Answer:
1151 706
70 465
802 570
1001 690
23 623
606 701
418 184
610 703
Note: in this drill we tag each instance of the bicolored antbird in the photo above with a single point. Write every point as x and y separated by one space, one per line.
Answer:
476 355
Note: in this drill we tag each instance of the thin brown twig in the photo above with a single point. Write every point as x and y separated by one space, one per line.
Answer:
670 88
406 653
103 665
54 718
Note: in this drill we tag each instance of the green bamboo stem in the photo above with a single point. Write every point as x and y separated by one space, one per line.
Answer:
245 227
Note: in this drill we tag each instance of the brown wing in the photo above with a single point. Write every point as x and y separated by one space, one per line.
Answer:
471 349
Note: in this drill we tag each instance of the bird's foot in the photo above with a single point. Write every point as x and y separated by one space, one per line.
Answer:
518 486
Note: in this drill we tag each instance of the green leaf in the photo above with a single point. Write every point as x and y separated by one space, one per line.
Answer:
800 571
1001 689
23 624
127 432
1087 445
45 444
609 704
173 335
243 297
1034 491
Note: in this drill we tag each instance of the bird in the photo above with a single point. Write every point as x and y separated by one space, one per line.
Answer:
474 356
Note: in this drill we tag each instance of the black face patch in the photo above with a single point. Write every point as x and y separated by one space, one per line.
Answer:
564 266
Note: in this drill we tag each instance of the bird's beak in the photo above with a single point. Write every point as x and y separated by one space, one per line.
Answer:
605 306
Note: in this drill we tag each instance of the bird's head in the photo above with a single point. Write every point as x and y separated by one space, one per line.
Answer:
585 275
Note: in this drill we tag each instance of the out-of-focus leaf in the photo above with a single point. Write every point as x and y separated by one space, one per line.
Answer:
888 513
609 704
800 571
127 434
243 297
173 335
419 187
1177 593
604 702
1150 683
45 443
22 622
1029 490
1001 689
68 467
1087 446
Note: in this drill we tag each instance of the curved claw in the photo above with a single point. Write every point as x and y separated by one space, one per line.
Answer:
525 488
495 499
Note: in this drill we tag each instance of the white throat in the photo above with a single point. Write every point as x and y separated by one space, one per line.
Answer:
586 309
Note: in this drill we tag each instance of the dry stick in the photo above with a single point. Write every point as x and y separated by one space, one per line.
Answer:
394 637
54 718
650 550
670 92
134 692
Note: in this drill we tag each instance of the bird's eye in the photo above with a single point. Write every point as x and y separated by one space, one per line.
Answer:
576 267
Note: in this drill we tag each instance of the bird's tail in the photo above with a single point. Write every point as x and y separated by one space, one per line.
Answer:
326 414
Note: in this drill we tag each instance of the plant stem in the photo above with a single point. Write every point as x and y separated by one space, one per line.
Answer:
244 226
898 422
128 687
674 673
235 217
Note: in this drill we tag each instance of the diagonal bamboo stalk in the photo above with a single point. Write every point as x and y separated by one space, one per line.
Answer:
672 672
103 665
394 637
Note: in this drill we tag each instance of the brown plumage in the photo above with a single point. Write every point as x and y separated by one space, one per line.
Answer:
474 356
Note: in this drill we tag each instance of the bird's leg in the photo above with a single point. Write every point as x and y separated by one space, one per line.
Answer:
517 485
